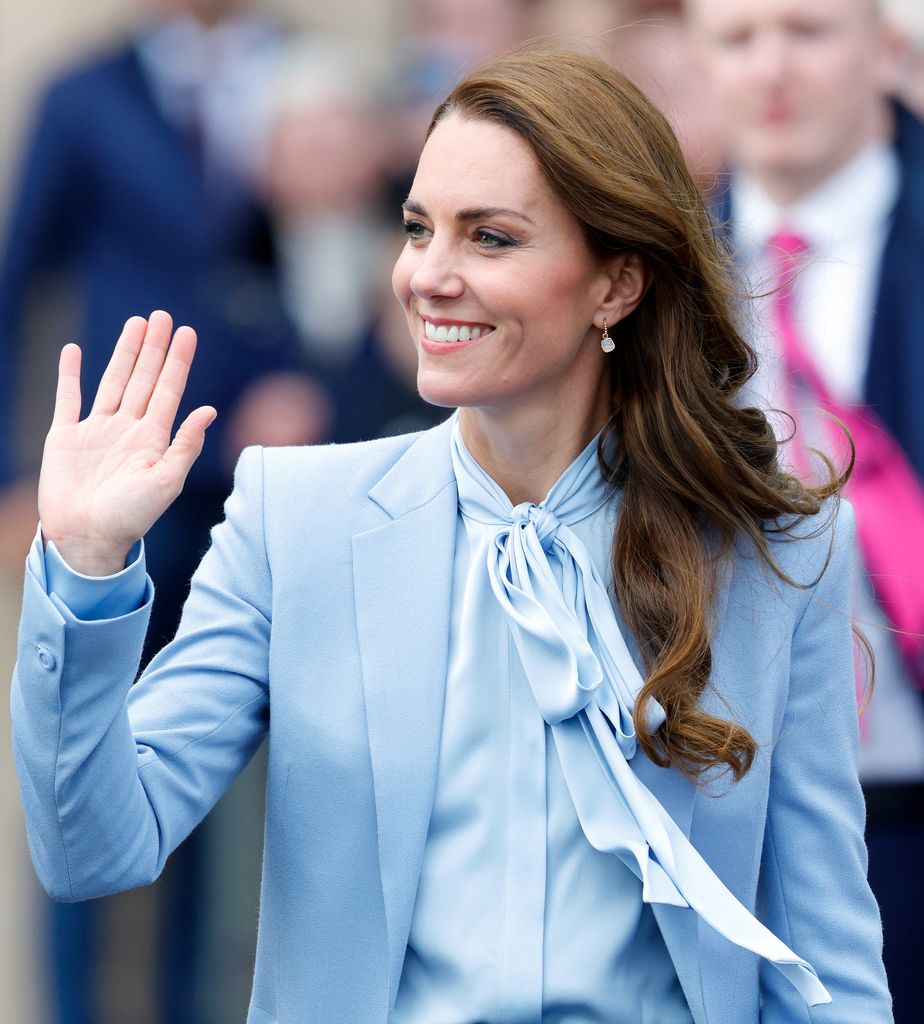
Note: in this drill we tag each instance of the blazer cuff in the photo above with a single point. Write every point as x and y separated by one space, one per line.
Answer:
90 598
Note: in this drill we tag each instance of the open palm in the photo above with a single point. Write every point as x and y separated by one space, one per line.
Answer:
107 478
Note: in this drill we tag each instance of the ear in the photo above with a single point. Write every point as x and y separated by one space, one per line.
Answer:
626 287
892 52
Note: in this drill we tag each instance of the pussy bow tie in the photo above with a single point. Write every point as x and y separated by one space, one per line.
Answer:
585 684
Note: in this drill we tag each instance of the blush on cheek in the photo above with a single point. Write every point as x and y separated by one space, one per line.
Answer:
562 281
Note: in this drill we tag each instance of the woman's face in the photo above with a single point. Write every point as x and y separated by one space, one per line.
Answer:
497 282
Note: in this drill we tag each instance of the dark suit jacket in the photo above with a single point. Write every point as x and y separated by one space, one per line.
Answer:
895 375
116 196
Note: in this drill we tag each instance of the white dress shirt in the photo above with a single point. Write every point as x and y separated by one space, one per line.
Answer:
207 79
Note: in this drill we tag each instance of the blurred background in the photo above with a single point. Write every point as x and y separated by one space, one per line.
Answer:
242 165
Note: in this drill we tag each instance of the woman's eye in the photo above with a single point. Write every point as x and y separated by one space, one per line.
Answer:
493 240
413 229
416 232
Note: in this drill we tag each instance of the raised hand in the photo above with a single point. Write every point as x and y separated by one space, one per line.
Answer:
107 478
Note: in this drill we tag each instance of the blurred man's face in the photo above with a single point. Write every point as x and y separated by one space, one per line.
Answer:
801 83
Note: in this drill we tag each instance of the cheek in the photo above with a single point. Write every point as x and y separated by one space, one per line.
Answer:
556 312
855 80
401 277
563 293
837 74
732 81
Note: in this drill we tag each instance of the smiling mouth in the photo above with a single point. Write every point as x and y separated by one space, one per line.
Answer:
454 332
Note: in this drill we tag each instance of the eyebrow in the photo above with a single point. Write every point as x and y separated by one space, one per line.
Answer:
470 213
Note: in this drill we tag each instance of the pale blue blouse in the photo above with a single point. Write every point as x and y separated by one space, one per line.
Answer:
518 918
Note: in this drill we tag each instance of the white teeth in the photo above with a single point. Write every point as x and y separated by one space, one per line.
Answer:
454 333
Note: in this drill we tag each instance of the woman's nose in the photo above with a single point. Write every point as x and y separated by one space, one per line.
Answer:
437 273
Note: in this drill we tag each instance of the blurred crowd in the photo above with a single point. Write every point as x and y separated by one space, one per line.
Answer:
248 180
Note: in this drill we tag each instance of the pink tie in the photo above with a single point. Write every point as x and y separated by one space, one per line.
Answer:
884 488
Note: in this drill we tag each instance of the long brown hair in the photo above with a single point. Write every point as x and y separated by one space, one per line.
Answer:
697 471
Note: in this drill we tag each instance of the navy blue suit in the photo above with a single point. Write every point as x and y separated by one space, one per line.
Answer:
893 385
895 376
117 198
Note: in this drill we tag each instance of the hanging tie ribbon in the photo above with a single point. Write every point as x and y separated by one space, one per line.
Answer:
585 683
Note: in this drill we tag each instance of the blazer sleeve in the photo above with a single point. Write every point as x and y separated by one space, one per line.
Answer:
114 776
813 891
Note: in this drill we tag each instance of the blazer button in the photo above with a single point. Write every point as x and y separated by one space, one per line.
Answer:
46 659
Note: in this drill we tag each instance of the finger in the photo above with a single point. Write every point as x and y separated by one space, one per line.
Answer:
148 364
67 396
121 364
171 383
187 444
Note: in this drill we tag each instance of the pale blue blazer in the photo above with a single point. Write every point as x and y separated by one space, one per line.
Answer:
321 612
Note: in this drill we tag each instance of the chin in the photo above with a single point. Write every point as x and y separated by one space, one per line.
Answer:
439 400
436 391
445 391
785 153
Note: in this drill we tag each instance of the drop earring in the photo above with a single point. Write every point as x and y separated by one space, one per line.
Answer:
606 342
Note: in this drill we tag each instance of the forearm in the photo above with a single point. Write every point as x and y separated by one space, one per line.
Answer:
91 827
114 776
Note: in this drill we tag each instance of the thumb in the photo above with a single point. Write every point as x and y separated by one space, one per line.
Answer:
187 444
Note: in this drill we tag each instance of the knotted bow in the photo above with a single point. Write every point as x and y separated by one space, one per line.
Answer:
585 683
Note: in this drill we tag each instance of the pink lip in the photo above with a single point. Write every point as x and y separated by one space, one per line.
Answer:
439 348
776 114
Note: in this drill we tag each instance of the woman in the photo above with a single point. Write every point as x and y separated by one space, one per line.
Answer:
495 792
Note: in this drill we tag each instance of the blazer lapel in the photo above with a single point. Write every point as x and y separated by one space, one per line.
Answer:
402 573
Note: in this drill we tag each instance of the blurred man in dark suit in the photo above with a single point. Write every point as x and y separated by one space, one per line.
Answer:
825 210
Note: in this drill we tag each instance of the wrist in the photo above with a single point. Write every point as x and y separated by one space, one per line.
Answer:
88 558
